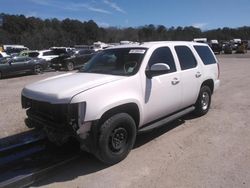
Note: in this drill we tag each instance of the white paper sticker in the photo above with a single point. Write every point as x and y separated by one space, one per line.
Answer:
137 51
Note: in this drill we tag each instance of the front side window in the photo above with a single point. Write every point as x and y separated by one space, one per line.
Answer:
163 55
186 57
120 61
205 54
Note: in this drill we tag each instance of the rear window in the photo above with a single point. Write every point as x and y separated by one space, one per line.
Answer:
205 54
186 57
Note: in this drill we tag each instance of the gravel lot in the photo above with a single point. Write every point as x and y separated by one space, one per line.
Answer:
210 151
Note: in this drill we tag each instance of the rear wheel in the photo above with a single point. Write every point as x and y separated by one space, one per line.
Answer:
70 66
1 75
203 102
117 137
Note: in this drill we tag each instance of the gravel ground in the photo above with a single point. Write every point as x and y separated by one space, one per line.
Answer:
210 151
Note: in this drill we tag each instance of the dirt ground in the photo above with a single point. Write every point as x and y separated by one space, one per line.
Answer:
210 151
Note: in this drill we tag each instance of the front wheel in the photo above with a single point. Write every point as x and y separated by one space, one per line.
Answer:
117 138
203 102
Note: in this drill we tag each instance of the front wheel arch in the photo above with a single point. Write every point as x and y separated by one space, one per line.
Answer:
130 108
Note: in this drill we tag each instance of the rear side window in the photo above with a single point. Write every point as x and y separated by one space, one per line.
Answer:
205 54
186 57
163 55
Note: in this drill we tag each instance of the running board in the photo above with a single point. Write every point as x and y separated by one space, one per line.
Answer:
166 120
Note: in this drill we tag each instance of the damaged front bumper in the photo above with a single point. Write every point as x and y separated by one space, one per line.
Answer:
62 121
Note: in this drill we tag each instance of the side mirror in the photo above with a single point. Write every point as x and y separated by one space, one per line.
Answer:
157 69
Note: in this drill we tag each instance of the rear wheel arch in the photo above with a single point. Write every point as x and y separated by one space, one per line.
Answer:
209 83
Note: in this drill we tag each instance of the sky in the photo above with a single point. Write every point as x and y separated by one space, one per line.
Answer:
203 14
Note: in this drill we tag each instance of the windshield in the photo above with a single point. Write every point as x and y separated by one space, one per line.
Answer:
121 61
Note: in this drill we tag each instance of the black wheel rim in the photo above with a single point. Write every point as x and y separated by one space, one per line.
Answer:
70 66
37 69
118 140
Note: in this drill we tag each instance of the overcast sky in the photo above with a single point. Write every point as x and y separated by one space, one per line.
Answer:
205 14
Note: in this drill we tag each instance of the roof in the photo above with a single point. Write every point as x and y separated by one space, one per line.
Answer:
157 43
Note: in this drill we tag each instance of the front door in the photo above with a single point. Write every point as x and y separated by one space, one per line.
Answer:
163 92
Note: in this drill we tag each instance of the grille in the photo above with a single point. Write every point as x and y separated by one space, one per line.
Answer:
56 113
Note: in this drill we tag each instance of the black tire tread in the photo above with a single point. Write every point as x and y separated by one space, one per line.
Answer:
104 127
198 110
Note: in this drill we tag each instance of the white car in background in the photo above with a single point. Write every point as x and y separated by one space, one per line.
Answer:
3 54
48 55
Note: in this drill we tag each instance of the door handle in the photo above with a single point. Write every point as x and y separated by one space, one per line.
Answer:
198 74
175 81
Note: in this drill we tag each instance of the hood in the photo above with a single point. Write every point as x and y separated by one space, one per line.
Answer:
61 89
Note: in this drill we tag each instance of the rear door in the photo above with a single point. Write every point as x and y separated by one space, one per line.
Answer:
190 75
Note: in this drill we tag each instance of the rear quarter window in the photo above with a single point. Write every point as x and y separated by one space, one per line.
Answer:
205 54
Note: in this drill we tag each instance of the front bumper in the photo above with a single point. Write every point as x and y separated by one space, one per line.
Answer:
59 133
62 121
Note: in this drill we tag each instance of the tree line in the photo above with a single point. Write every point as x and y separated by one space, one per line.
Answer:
37 33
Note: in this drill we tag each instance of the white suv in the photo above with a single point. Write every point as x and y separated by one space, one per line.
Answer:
121 91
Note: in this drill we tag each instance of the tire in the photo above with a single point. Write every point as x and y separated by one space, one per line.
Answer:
117 138
70 66
38 69
203 102
1 75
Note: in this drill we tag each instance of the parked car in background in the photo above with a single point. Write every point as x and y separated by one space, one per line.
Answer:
217 48
228 49
241 48
19 65
3 54
13 49
53 52
71 61
47 55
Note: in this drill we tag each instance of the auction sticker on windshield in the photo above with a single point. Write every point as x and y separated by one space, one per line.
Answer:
137 51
